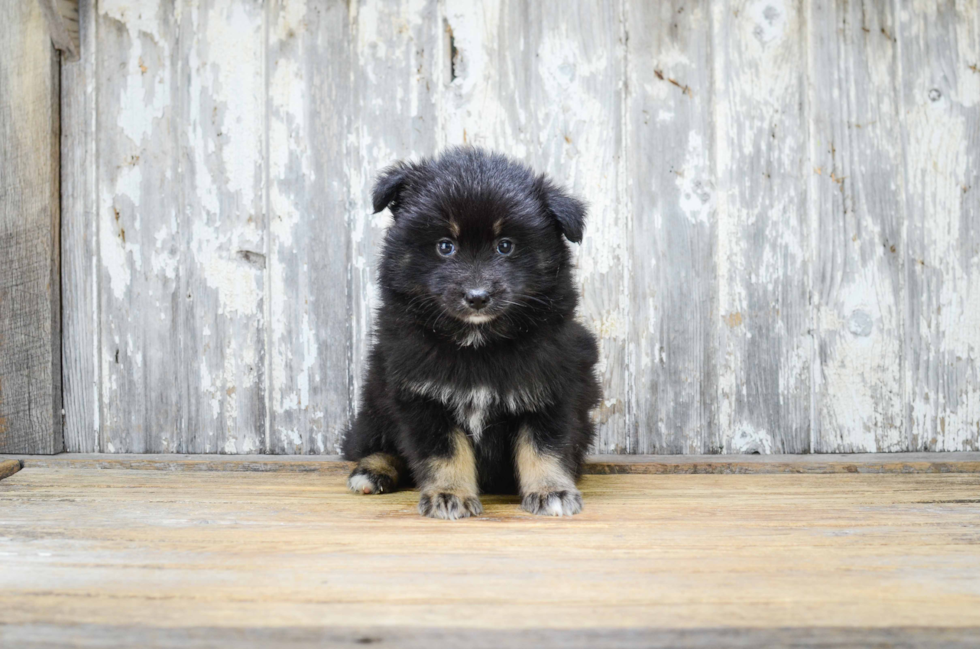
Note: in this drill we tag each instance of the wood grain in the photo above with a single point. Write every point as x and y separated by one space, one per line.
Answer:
940 90
310 116
858 228
672 202
762 318
221 229
139 85
163 550
30 282
80 354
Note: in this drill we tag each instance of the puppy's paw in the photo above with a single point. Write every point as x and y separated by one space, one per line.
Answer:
449 506
553 503
365 481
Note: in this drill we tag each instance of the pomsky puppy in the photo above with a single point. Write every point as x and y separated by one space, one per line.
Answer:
479 378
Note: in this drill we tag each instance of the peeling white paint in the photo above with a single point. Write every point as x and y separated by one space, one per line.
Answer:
163 258
236 286
145 97
234 47
695 194
749 440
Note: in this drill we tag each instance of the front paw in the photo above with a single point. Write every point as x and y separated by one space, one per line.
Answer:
553 503
449 506
363 481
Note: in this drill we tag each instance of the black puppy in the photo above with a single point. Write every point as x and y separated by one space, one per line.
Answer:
479 378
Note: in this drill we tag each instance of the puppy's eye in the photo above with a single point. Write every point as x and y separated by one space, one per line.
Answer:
445 247
505 246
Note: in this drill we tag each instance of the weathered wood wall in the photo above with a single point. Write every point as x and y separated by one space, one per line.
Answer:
784 246
30 292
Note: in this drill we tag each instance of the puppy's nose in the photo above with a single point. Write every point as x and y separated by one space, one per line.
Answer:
477 298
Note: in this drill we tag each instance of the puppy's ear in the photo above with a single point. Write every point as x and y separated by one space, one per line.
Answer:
388 186
567 210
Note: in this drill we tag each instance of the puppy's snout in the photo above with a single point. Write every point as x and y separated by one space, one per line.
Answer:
477 298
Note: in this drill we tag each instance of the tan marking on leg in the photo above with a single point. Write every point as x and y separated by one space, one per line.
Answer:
546 485
498 227
457 472
454 229
448 484
538 471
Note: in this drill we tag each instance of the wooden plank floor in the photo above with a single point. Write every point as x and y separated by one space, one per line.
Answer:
115 557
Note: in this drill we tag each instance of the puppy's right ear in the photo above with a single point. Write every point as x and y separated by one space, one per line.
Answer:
388 187
568 211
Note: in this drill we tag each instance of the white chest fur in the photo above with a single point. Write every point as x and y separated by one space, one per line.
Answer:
472 406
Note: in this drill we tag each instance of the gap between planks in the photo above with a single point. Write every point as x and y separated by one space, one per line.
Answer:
870 463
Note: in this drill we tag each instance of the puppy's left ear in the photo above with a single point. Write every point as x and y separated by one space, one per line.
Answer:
388 186
567 210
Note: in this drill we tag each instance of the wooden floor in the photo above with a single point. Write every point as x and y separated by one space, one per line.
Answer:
127 557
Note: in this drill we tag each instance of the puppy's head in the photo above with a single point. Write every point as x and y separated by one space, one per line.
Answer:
477 241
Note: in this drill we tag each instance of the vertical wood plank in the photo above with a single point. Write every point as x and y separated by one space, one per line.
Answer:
309 64
672 207
395 79
79 244
940 55
222 227
138 236
763 317
30 272
543 82
858 246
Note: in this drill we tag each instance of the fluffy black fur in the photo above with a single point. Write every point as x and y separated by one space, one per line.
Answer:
432 369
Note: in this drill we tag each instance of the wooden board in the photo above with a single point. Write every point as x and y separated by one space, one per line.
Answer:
30 282
174 552
81 357
221 228
858 235
940 93
138 210
308 362
762 323
672 201
964 462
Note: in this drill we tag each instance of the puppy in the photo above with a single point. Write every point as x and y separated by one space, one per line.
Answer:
479 379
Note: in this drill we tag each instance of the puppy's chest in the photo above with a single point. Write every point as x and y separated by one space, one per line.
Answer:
474 407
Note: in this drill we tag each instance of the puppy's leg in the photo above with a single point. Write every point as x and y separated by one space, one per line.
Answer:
547 485
448 483
376 474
